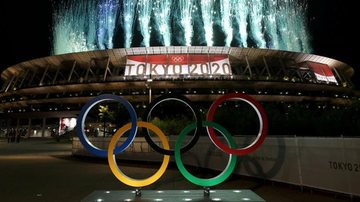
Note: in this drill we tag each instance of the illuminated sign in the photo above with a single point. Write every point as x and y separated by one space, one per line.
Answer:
177 64
322 72
66 124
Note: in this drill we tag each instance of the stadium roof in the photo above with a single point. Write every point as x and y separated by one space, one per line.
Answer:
117 57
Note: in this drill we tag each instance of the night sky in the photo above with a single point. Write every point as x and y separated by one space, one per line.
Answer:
26 31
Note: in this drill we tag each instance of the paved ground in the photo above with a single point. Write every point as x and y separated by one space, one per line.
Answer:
43 170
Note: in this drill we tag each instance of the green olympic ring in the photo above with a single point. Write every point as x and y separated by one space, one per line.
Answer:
200 181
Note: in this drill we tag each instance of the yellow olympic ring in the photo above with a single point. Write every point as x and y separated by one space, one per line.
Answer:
112 158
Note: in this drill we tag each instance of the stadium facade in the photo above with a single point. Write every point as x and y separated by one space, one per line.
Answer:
44 95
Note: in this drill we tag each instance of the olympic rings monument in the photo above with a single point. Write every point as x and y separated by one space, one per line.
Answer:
174 195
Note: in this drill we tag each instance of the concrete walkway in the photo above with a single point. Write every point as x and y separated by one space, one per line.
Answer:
43 170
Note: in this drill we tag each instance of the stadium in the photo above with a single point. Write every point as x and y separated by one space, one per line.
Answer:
54 88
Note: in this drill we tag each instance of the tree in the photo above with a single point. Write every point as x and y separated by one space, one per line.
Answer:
105 115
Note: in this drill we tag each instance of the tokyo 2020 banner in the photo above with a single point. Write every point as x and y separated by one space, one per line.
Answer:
178 64
211 126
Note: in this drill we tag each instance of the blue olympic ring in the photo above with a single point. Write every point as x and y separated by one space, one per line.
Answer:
81 124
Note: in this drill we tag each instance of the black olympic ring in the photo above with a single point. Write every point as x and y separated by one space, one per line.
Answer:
187 102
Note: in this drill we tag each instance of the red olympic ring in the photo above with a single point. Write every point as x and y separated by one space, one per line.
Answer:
262 118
